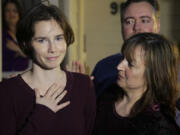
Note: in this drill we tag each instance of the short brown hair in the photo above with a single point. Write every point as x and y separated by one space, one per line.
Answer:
25 29
153 3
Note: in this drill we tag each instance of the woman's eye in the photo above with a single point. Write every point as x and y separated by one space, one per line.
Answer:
59 38
130 64
40 40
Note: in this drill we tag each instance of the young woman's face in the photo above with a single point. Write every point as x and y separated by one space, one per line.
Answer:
131 75
49 45
11 14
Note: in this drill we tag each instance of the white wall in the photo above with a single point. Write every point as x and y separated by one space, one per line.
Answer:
74 10
170 19
102 30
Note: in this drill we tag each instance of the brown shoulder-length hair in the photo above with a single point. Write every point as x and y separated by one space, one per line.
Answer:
161 72
41 12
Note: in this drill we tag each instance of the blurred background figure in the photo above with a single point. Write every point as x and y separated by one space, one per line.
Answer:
13 59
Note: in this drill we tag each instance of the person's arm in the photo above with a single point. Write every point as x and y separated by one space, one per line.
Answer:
13 47
7 113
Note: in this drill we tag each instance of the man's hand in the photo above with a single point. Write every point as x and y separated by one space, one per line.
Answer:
76 67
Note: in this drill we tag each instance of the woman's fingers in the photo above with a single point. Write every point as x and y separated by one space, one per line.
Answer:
63 105
51 90
57 92
59 97
52 98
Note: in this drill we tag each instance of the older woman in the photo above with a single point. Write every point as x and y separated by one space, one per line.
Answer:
148 86
46 100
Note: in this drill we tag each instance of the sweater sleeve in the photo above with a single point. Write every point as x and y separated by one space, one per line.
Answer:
40 119
90 108
7 114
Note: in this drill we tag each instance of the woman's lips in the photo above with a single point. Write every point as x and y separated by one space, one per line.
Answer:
120 77
52 58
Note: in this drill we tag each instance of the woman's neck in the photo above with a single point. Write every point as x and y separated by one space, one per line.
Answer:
46 75
123 106
43 79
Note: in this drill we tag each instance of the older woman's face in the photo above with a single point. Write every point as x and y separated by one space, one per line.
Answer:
49 45
131 75
11 14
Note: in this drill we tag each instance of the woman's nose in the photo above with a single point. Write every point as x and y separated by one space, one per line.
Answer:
120 65
52 47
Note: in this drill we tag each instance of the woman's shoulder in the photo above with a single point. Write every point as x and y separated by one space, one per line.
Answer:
75 74
11 83
80 82
78 77
9 87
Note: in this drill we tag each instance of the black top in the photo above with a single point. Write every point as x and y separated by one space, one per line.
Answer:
19 114
150 122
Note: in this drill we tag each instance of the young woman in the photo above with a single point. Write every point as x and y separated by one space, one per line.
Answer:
46 100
